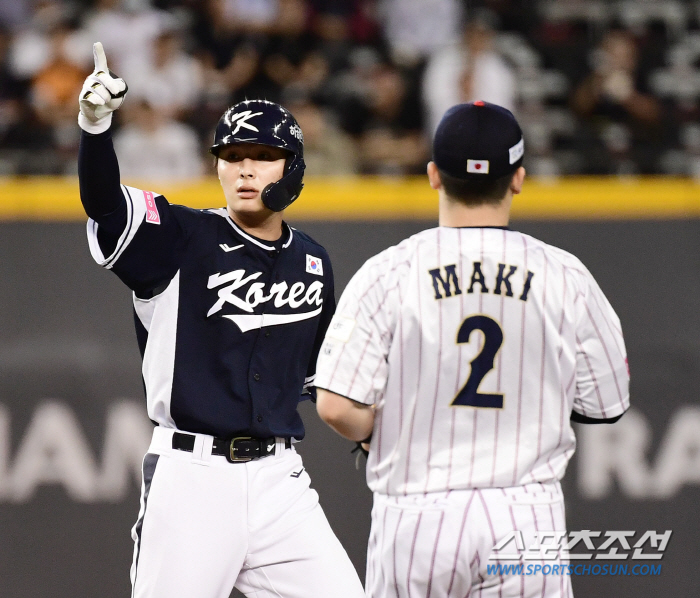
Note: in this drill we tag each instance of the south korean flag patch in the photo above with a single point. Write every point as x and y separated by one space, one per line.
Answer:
314 265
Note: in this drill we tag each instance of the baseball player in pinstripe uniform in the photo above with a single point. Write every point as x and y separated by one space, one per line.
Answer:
466 351
231 306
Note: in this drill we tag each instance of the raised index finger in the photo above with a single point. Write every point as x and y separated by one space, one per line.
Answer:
100 59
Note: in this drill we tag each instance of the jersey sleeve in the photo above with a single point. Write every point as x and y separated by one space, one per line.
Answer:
309 390
132 232
353 357
602 375
98 175
145 254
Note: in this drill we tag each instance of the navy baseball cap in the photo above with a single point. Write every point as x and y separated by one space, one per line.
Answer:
478 141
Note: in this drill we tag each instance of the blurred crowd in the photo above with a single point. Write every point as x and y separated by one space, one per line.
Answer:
600 86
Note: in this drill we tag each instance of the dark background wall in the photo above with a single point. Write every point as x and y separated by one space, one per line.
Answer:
73 424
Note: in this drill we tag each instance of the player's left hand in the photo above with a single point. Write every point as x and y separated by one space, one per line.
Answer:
102 93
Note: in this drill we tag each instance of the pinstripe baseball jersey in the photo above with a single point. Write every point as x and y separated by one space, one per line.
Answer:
475 345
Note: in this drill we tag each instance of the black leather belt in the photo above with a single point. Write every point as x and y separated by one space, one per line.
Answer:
237 450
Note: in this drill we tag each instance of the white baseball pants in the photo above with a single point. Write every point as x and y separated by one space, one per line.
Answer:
438 545
207 525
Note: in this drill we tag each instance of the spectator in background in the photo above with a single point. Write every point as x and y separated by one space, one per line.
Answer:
56 85
328 150
250 16
512 15
684 161
288 44
312 75
348 90
332 24
252 48
232 54
613 101
339 54
11 89
14 13
387 123
613 87
53 92
377 106
467 71
30 47
342 25
127 31
221 84
415 29
212 34
242 74
173 82
14 132
153 146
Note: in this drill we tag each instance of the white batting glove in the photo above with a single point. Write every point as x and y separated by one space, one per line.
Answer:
102 93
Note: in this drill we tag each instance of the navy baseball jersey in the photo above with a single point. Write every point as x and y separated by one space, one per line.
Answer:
214 307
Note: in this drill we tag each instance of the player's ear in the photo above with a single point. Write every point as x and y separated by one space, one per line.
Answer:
434 176
516 183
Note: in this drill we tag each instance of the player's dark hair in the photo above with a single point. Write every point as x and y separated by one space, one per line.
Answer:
476 192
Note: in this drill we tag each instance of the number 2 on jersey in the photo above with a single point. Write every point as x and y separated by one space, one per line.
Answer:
482 364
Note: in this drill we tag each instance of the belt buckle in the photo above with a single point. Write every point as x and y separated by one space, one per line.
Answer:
232 452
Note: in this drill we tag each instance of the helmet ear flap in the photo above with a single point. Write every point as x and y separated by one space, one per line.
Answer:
280 194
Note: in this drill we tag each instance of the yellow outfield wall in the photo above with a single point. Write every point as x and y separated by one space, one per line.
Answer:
376 198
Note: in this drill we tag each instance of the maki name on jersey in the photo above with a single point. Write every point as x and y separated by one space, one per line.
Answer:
499 283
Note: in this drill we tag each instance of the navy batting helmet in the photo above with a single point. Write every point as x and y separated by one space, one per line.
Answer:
266 123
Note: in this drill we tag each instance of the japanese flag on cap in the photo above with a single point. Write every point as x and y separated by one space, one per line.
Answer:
478 166
478 140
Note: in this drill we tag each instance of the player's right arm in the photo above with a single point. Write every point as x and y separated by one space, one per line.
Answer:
130 231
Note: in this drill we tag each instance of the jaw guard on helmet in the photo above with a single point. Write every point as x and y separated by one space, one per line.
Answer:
266 123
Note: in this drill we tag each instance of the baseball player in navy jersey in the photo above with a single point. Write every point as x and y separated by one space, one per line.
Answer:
465 352
231 306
